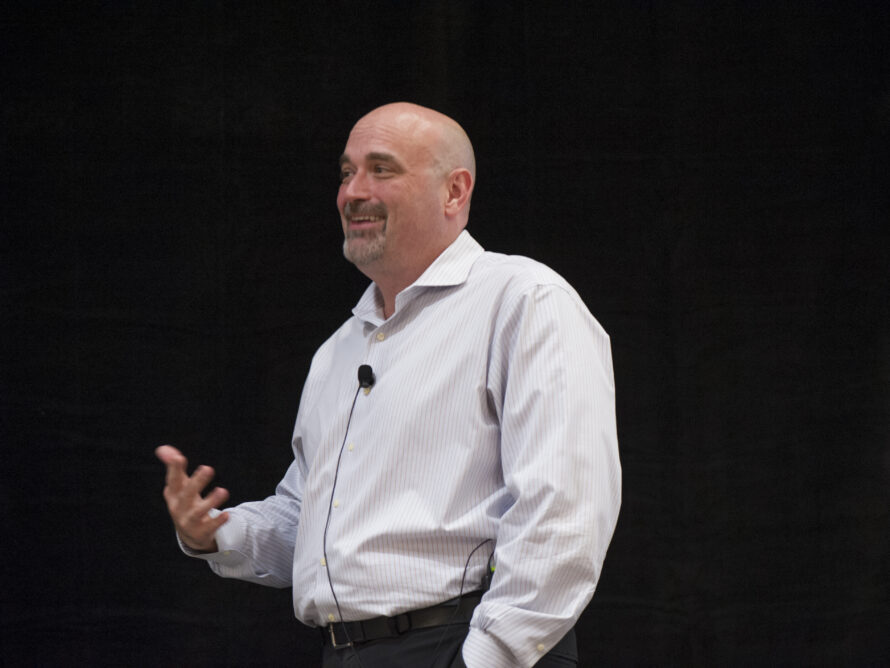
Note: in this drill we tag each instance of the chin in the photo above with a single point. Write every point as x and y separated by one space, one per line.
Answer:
361 251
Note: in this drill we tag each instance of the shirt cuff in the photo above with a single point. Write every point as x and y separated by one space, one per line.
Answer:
482 650
230 538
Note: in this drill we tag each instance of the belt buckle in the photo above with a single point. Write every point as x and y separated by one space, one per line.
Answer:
334 639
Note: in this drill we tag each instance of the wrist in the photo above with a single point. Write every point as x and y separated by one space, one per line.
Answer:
204 547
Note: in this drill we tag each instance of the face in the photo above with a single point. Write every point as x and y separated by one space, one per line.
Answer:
390 193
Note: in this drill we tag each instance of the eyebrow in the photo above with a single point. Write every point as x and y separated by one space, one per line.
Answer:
374 155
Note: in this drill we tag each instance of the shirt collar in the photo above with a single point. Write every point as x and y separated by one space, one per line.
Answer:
452 267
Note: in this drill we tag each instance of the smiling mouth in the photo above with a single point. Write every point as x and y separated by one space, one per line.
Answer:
364 221
362 214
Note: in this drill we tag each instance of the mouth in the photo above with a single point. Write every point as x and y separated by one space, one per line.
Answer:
360 224
363 215
364 220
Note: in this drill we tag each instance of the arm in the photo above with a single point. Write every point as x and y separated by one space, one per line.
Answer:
551 378
254 541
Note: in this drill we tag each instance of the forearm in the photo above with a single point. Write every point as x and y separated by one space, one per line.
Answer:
545 577
257 542
251 553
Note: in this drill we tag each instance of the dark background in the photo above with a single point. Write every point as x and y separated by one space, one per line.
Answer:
711 177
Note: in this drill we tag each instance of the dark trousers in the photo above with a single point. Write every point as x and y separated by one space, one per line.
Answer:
437 647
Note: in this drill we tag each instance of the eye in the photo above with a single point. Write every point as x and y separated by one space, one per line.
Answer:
381 169
345 174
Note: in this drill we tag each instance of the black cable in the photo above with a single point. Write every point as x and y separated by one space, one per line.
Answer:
324 540
324 549
460 595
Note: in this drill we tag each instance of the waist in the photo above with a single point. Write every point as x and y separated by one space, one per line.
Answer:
369 585
455 611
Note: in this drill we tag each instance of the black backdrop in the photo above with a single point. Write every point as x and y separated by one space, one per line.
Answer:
711 177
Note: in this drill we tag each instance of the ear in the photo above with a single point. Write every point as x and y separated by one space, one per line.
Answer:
459 187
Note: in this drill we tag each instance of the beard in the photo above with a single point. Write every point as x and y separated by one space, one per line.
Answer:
364 246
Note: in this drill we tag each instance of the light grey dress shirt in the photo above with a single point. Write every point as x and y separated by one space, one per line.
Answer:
492 416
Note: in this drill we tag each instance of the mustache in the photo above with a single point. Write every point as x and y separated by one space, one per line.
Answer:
354 209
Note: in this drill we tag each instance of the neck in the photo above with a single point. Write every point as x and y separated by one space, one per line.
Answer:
390 286
392 280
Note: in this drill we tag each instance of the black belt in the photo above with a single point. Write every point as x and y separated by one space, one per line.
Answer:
458 610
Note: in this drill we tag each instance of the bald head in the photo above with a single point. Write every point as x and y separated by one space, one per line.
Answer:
448 145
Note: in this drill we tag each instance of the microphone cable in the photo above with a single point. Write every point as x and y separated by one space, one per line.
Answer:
366 380
463 578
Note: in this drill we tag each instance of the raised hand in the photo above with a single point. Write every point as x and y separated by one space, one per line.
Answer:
189 510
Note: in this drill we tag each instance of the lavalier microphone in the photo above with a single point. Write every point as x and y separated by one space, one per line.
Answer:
366 376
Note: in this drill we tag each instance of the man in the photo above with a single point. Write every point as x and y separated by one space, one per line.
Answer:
481 450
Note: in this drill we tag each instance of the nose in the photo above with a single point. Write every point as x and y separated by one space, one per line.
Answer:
357 186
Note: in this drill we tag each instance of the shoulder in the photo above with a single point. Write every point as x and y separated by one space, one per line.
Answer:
530 291
515 277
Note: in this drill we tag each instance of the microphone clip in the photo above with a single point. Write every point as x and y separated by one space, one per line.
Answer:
366 378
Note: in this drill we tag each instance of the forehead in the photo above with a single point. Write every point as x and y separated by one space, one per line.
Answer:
404 139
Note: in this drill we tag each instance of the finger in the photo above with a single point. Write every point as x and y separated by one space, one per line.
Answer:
198 480
176 465
218 521
166 452
213 500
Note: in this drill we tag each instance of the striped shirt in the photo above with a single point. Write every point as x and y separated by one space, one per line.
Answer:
492 417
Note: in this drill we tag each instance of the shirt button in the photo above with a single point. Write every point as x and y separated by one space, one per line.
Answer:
331 618
541 647
337 503
380 336
350 447
323 562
